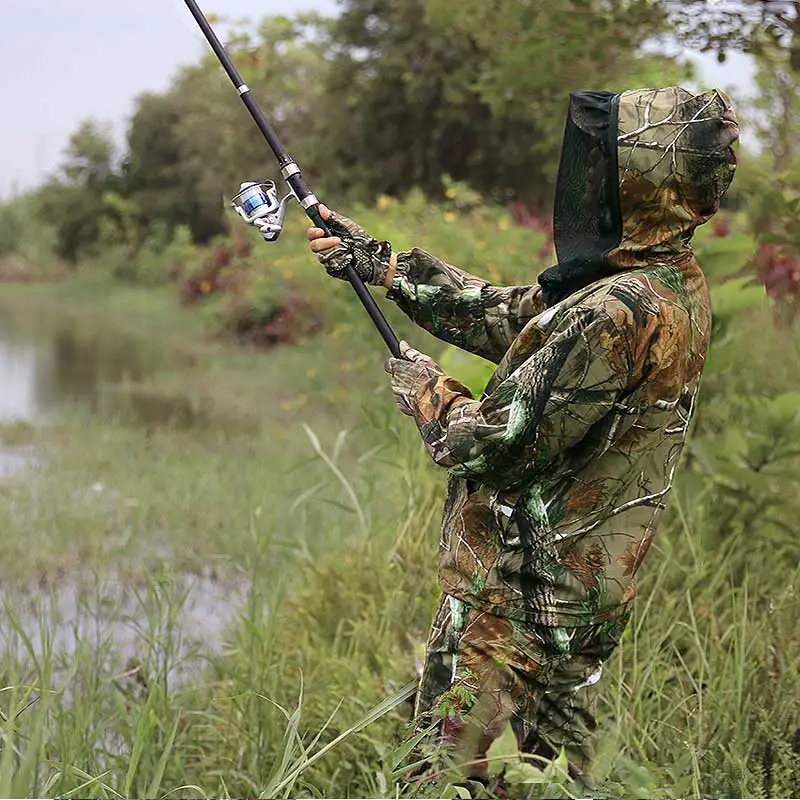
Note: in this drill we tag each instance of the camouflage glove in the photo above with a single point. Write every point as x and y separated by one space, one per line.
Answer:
369 257
408 374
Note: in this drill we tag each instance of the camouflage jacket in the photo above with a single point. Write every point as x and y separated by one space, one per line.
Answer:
559 474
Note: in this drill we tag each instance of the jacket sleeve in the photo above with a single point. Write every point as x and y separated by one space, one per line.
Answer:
543 408
460 308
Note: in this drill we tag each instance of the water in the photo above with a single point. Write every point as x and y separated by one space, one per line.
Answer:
18 395
195 611
45 365
47 362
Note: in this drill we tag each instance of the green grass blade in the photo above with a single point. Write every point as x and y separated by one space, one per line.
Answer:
155 782
141 737
375 713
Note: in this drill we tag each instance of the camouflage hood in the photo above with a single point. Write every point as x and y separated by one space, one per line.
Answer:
639 172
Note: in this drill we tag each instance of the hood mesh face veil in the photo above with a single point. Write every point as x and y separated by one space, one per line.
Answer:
587 222
639 172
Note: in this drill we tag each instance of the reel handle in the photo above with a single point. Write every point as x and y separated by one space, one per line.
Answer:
315 216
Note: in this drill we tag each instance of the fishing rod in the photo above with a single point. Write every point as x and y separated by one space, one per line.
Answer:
258 204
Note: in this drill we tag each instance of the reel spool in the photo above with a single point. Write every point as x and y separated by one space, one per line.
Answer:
258 204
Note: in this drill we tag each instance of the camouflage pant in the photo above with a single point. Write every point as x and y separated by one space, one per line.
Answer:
483 672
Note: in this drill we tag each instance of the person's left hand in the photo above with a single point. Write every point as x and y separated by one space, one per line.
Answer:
407 373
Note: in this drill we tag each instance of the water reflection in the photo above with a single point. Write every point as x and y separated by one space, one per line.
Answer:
92 608
50 362
14 460
18 397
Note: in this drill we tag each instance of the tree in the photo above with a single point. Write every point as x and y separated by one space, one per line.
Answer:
192 146
479 95
777 120
89 154
409 110
73 200
746 25
534 53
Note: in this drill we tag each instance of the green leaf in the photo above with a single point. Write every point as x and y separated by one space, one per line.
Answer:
562 762
524 773
453 791
785 408
305 760
503 750
158 775
141 738
735 296
558 768
724 256
399 755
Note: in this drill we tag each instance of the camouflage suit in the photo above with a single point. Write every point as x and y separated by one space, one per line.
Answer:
559 474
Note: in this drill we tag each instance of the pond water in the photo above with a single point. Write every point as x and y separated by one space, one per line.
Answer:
46 364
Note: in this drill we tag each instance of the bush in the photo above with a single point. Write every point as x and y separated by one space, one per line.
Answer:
11 225
161 259
241 299
221 270
268 312
27 244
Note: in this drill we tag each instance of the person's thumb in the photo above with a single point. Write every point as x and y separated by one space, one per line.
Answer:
324 211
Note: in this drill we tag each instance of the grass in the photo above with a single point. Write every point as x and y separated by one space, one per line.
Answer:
317 548
137 499
120 717
699 701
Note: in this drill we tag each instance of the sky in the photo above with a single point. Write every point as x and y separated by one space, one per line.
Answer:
63 61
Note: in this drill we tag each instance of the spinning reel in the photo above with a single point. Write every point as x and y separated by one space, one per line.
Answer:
257 204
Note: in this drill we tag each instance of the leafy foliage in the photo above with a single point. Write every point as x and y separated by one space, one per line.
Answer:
389 96
554 37
740 25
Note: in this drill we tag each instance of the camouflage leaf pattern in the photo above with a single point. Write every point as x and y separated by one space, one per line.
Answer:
676 161
460 308
484 673
560 474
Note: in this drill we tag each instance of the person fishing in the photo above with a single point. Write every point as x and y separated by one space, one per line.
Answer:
559 474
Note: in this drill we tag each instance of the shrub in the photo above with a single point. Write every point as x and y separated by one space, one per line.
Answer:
268 312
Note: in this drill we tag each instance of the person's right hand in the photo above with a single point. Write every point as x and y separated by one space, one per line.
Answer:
350 245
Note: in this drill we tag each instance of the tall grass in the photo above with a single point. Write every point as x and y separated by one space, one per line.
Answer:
699 701
256 719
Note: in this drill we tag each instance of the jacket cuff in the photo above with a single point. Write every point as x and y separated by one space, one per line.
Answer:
436 396
404 265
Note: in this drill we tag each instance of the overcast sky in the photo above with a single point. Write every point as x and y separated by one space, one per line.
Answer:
62 61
